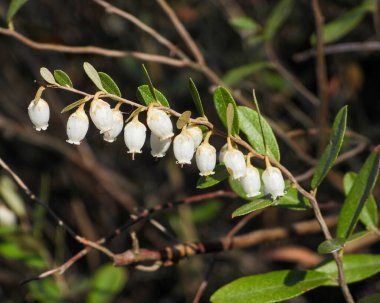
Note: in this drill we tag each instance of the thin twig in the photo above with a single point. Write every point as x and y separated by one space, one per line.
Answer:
92 50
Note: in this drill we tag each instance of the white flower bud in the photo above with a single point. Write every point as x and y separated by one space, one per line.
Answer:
159 147
117 126
222 152
134 136
39 114
183 147
196 134
77 126
235 163
206 159
7 217
251 182
273 182
159 123
101 115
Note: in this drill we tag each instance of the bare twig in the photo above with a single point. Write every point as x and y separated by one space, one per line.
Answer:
92 50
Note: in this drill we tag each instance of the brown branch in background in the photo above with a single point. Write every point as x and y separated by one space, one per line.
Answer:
182 31
349 47
172 254
321 76
92 50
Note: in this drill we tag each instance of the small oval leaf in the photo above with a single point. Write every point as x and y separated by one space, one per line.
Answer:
332 149
93 75
184 119
330 246
360 191
222 98
196 98
109 85
47 75
144 95
252 206
75 104
62 78
274 286
250 125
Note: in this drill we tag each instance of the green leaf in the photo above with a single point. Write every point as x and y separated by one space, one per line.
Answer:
252 206
107 283
358 195
150 84
45 290
357 236
222 98
9 194
237 74
368 215
13 8
47 75
332 149
356 268
330 246
277 18
62 78
144 95
373 298
74 104
250 125
238 188
109 85
196 98
205 211
293 200
274 286
93 75
221 174
344 24
245 23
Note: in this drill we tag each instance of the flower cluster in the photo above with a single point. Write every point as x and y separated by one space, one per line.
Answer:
189 142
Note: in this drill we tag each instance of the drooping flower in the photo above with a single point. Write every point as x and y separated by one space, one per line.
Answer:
101 115
206 157
117 126
251 182
183 147
196 134
273 180
159 147
234 162
77 126
222 153
134 136
159 123
39 114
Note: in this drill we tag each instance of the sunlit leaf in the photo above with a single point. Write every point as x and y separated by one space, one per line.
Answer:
74 104
221 174
14 7
183 119
109 84
358 195
145 96
252 206
93 75
222 98
274 286
250 126
196 98
62 78
330 246
332 149
47 75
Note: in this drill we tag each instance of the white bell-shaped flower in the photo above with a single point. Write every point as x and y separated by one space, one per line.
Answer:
273 182
39 114
251 182
7 217
196 134
159 147
101 115
77 126
159 123
117 126
134 136
183 147
235 162
222 153
206 158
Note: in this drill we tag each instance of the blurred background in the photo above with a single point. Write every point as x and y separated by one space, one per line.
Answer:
95 186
